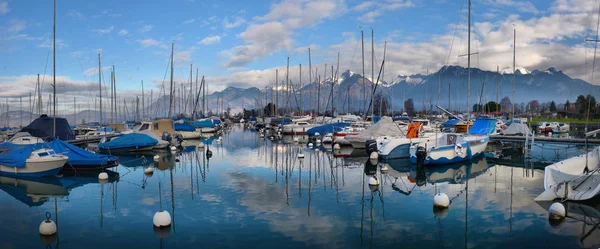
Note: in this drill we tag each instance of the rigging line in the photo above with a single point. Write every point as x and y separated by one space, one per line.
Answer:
593 70
454 35
45 68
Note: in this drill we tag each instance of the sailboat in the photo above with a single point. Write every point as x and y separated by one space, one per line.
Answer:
452 147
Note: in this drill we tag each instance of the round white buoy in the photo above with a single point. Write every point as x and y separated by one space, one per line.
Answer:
318 141
337 147
310 144
300 155
201 145
384 168
374 155
47 227
149 170
441 200
373 181
162 219
173 148
295 139
557 211
156 157
316 149
103 176
262 135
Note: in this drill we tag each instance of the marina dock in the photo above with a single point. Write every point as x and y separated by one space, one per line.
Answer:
555 140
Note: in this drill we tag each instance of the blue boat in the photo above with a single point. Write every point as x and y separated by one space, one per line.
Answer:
327 128
128 143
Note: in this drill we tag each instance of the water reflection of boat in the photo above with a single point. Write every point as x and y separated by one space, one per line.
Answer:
132 160
74 180
456 173
33 191
586 214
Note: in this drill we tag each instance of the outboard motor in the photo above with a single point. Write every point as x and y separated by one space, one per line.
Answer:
421 156
166 137
370 146
421 176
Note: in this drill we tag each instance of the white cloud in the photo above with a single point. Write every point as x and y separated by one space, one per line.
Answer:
210 40
16 25
375 9
110 13
104 31
146 28
189 21
519 6
274 33
177 37
4 8
123 32
47 43
94 70
76 15
236 23
151 43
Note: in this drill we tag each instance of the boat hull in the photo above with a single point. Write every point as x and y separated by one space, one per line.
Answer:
189 134
35 168
127 150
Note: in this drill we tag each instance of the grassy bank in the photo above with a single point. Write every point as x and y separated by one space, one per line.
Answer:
564 120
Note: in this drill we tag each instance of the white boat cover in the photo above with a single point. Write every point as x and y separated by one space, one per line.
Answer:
516 129
385 127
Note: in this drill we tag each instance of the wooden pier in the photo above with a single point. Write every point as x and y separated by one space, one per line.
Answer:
555 140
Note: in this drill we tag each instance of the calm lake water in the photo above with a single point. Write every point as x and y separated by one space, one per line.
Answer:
257 193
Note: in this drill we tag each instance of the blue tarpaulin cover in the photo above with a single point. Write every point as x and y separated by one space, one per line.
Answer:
133 140
483 126
327 128
184 127
450 123
78 156
14 155
204 123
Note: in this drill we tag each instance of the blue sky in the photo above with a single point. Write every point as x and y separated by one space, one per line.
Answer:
240 43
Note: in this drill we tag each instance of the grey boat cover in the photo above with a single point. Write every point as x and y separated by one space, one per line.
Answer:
385 127
516 129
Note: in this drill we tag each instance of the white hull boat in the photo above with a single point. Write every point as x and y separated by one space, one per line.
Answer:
189 134
40 162
569 179
395 148
450 148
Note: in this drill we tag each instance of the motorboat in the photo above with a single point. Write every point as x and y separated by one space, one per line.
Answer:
561 128
187 131
25 138
576 178
161 130
128 143
545 127
425 124
385 127
98 133
297 128
448 148
27 161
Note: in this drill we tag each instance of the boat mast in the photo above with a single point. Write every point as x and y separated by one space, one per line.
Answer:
112 100
276 92
497 81
469 68
114 93
171 88
310 77
514 70
100 86
301 100
54 73
287 86
372 70
362 39
143 105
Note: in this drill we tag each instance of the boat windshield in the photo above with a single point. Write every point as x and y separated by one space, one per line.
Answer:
42 154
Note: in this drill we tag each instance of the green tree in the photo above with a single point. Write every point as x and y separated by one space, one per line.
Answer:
567 105
477 108
491 106
553 106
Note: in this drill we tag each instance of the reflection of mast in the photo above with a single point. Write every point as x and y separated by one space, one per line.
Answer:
362 210
309 182
101 204
371 223
172 198
511 202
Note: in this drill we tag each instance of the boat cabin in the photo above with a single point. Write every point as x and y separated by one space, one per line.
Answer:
158 126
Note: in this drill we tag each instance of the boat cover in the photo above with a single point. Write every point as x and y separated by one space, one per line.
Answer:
385 127
483 126
14 155
516 129
132 140
184 127
327 128
42 127
450 123
204 123
78 156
